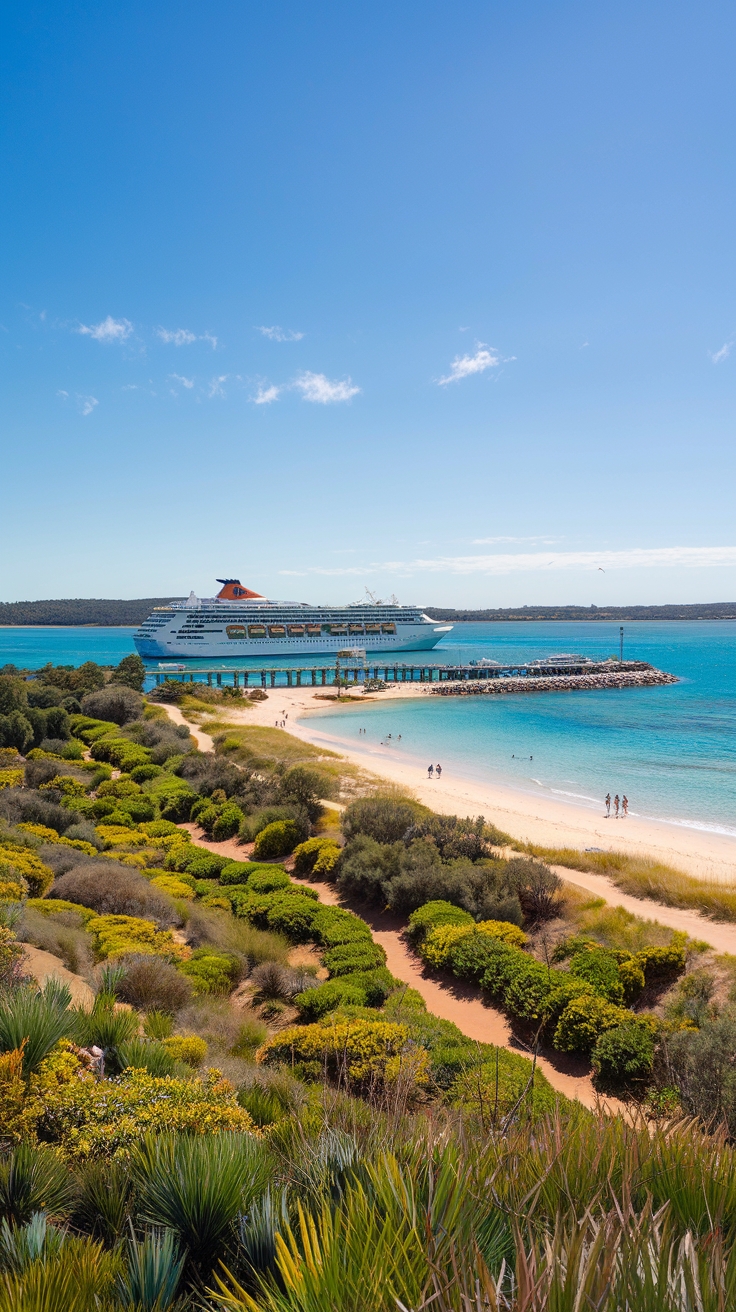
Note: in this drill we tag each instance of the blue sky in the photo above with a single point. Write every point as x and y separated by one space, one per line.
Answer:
432 298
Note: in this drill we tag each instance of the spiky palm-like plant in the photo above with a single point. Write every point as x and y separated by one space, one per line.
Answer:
78 1278
198 1186
34 1020
34 1179
105 1199
144 1054
152 1275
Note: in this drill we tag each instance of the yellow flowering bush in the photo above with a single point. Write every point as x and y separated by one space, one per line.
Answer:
63 783
15 860
503 930
89 1117
356 1050
189 1048
11 890
118 935
11 778
51 836
439 942
135 859
50 906
122 836
173 886
18 1112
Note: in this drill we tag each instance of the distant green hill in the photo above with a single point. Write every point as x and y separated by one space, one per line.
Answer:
79 611
715 610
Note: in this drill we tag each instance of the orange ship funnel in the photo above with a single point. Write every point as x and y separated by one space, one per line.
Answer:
233 590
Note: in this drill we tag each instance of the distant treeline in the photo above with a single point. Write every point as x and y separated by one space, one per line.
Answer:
81 611
716 610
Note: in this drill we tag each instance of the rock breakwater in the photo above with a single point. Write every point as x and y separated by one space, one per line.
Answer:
551 683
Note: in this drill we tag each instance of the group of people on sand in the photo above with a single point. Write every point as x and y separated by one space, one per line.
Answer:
434 770
620 805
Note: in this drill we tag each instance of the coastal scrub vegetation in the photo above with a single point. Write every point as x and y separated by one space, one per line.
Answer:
251 1112
646 877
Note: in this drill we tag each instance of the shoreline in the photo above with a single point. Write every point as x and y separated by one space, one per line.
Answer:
549 822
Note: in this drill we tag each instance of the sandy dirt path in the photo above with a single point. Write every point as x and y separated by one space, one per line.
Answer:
44 965
445 997
203 740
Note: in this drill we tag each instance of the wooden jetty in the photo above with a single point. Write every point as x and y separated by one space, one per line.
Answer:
321 676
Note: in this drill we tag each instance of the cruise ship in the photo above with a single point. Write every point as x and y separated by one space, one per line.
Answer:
239 622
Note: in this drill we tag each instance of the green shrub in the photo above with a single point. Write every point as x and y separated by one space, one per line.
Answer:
384 819
276 840
236 872
268 879
624 1054
315 1003
120 752
333 926
293 915
432 914
498 1085
210 971
584 1020
661 963
601 969
316 855
142 773
475 955
349 958
204 865
632 979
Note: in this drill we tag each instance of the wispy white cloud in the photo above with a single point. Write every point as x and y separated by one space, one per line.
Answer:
319 388
526 562
64 395
486 357
216 386
723 354
265 394
185 382
87 404
276 334
537 537
109 330
178 336
184 337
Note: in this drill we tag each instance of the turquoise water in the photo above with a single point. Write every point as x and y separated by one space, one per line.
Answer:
672 750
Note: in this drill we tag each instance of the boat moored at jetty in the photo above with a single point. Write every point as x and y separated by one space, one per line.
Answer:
239 622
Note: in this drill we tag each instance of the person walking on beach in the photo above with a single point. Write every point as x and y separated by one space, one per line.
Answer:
438 770
616 804
608 805
625 804
430 771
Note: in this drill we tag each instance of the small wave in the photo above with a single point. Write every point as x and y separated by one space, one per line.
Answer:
581 797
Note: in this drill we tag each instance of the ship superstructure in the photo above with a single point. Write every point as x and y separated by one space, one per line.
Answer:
239 622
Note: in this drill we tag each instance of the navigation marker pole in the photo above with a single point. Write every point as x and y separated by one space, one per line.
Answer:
621 647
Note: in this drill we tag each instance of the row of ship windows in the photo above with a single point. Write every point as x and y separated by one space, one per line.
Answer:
298 630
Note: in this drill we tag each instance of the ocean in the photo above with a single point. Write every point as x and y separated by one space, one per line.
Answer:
671 749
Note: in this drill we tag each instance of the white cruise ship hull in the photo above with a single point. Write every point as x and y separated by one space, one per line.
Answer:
238 623
412 637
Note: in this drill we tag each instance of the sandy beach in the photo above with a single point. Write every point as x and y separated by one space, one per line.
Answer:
544 820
